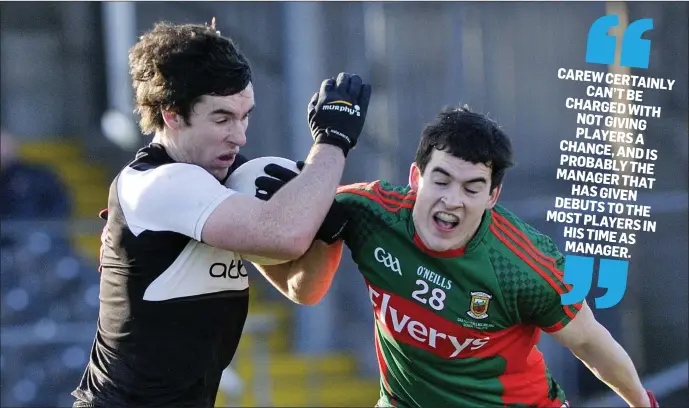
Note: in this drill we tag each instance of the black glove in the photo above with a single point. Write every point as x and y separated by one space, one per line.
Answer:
334 224
277 176
337 112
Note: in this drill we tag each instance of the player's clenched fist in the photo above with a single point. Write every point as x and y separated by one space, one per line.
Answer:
337 112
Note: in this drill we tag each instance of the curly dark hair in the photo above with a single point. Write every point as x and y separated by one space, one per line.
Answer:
173 66
469 136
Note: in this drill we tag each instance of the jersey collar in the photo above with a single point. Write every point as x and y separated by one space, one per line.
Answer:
452 253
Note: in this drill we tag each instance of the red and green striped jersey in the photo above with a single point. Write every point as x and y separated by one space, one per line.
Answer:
457 328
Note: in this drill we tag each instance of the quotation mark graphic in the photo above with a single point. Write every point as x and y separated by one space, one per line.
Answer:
600 47
612 275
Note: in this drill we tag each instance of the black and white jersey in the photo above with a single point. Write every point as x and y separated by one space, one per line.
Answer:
172 308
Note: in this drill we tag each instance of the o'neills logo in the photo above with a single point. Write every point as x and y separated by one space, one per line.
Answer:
412 324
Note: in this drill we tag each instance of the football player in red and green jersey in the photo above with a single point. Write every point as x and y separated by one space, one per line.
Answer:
461 288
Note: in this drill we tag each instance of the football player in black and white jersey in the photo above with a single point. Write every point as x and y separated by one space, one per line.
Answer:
173 292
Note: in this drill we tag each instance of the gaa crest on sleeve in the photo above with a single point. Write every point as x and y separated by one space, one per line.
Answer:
478 306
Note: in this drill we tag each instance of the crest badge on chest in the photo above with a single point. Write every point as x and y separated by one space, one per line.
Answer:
478 306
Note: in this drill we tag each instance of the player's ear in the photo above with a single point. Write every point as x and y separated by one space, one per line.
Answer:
171 119
414 176
493 199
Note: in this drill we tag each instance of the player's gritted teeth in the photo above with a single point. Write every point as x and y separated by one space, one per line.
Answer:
445 221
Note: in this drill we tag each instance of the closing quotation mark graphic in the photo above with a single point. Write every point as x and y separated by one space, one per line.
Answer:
600 47
612 275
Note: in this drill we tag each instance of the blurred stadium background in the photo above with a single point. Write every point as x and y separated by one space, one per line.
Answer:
66 100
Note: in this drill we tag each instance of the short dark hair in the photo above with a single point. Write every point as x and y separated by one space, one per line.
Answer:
469 136
173 66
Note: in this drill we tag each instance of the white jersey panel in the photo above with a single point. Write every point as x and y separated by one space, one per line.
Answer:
198 270
176 197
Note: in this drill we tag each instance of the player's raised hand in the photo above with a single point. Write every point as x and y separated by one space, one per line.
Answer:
337 112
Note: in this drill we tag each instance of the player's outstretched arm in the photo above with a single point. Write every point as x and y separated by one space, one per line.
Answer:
575 327
285 226
591 343
306 280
